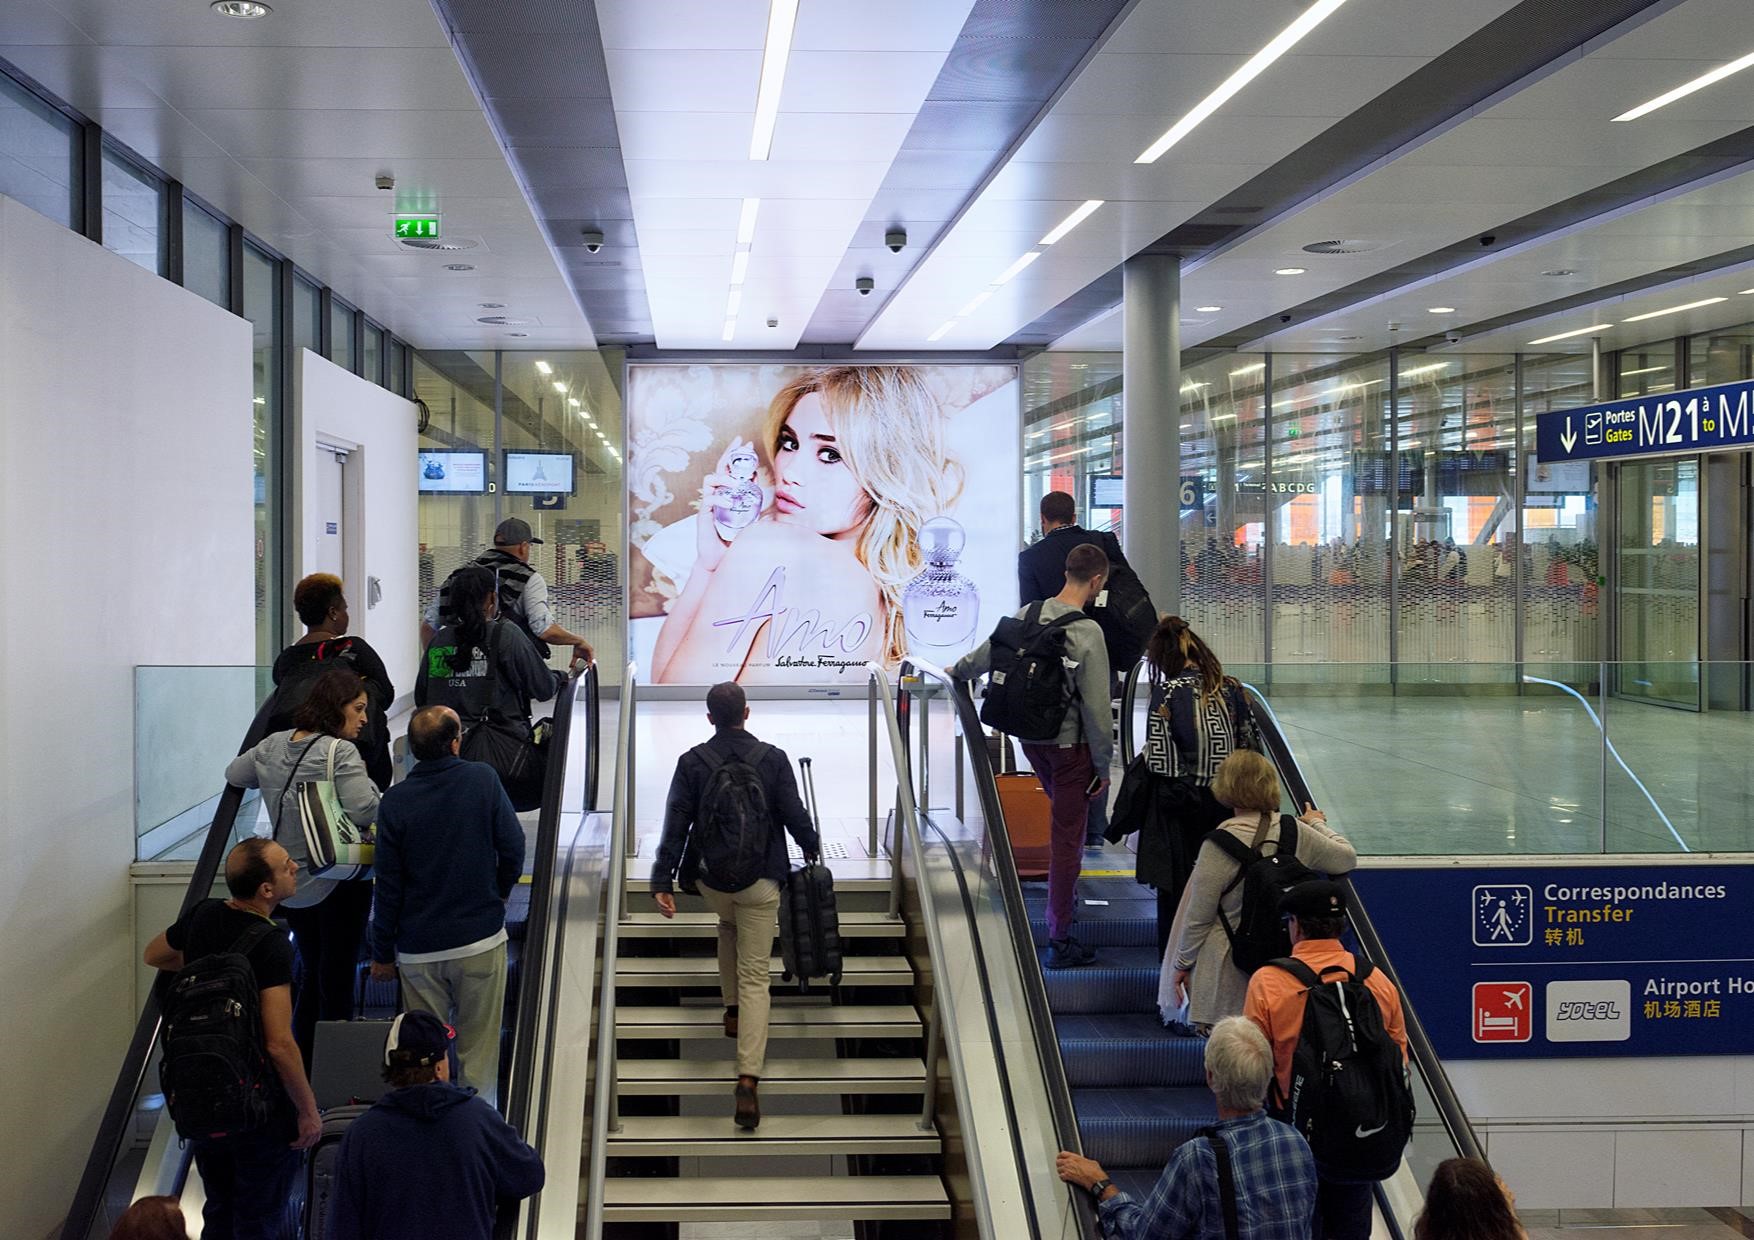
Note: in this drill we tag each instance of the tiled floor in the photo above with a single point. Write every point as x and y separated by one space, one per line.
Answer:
1716 1224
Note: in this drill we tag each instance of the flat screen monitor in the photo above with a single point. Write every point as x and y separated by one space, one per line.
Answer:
453 473
539 473
1107 491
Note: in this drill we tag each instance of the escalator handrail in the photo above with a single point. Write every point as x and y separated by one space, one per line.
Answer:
1449 1106
118 1111
531 971
1035 995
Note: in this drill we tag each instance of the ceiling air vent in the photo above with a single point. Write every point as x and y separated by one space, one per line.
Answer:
447 245
506 320
1342 247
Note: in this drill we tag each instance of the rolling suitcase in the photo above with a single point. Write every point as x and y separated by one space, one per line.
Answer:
809 921
321 1167
1029 816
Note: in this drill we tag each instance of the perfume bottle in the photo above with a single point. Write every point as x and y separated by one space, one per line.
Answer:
941 607
736 507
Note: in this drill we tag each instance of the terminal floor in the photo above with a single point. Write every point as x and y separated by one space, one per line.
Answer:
1711 1224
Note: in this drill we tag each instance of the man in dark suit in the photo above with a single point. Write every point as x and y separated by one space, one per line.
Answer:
1041 574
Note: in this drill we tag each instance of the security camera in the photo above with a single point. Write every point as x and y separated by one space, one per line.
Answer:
593 239
1285 318
773 322
1452 337
864 284
896 240
1488 239
384 181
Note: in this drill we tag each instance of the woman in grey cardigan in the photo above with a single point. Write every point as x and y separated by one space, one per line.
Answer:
327 916
1197 968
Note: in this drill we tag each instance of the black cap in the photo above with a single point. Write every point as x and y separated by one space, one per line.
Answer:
512 531
1320 897
419 1038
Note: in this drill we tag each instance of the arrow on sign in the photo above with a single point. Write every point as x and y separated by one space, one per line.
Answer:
1568 439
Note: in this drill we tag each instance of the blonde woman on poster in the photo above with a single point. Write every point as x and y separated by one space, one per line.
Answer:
853 464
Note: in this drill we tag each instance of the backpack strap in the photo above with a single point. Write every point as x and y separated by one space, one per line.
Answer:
280 807
1286 844
1240 853
1301 971
246 942
707 754
1226 1183
758 755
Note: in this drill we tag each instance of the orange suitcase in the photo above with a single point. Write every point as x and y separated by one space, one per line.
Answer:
1028 812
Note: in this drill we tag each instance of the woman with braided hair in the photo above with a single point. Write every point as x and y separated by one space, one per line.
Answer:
1199 717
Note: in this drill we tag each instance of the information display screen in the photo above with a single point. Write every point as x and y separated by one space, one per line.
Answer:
1371 473
1479 472
539 473
1107 491
453 473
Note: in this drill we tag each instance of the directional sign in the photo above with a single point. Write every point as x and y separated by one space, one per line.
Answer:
417 226
1700 420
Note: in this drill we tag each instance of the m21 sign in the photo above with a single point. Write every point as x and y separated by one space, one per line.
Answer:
1700 420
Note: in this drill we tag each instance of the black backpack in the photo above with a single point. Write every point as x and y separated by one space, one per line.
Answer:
296 685
1350 1095
732 821
1031 689
1125 613
215 1072
1259 934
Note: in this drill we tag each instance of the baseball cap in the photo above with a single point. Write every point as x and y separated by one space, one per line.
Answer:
512 531
418 1037
1320 897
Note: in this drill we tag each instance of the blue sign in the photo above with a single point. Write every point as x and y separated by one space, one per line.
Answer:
1700 420
1550 961
548 503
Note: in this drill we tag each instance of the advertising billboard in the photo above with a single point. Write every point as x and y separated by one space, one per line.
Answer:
789 523
453 473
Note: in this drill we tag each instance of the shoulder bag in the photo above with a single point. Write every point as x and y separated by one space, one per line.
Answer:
338 848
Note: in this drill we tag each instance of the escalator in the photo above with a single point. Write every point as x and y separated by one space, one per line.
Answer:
136 1151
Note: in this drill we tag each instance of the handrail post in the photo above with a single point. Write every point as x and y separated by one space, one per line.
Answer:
627 740
871 694
934 1041
925 797
1129 693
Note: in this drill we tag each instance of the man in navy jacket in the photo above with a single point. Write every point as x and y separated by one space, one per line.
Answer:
450 850
430 1158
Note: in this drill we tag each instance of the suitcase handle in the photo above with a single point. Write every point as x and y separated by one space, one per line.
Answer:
807 770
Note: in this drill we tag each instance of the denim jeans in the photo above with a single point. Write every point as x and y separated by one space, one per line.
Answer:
247 1179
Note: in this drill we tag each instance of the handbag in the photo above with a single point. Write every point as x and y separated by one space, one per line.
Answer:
338 848
496 740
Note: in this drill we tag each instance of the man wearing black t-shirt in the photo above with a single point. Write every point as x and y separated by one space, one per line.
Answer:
247 1176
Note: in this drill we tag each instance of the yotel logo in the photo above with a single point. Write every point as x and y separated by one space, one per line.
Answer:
1594 1011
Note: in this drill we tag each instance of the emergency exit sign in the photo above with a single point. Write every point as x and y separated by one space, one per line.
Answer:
417 226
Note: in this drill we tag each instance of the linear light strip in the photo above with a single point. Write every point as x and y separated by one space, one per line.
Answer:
1084 212
1657 314
975 303
1687 88
730 328
1576 331
1005 276
782 19
746 221
739 267
1252 68
941 332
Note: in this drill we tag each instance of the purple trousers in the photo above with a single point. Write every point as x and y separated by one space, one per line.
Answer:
1065 775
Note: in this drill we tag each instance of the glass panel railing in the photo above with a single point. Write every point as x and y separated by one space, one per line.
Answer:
187 721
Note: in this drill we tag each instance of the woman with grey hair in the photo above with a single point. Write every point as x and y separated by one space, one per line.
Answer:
1272 1172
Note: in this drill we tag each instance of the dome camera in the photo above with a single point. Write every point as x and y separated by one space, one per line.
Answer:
1488 239
896 240
1452 337
864 284
593 240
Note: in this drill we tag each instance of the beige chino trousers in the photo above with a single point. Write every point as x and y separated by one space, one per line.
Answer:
748 921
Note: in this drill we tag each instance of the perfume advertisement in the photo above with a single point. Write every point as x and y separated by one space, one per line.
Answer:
790 523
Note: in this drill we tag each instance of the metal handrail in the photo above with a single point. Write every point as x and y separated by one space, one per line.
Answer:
118 1111
532 963
604 1116
1449 1106
1041 1020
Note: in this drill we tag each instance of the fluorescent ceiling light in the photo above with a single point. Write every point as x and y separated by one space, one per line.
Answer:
974 303
1687 88
1207 309
544 368
1576 331
1252 68
1424 370
733 303
574 401
1251 369
739 267
941 332
746 221
1072 221
1441 310
1015 267
560 387
1657 314
1290 271
730 328
1745 292
1647 370
782 17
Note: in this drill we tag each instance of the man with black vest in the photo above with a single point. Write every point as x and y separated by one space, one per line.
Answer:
523 593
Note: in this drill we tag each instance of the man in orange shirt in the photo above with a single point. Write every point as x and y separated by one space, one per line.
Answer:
1276 1001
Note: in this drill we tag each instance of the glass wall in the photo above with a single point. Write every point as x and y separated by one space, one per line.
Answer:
1557 544
1657 593
307 316
1224 499
134 209
262 308
206 255
1071 435
341 335
39 155
551 402
372 359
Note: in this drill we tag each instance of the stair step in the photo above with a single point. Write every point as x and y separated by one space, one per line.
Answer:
715 1136
872 925
784 1021
763 1198
704 971
696 1077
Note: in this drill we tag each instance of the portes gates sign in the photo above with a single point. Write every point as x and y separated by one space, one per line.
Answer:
1700 420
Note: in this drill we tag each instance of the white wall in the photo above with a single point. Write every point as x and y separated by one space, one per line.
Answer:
125 494
379 428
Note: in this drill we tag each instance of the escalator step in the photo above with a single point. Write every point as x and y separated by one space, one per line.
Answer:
1140 1128
1125 931
1123 979
1124 1057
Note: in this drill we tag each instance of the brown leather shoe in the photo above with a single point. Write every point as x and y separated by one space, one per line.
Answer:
730 1022
748 1108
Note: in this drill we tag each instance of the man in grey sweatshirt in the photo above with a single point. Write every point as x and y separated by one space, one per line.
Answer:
1073 767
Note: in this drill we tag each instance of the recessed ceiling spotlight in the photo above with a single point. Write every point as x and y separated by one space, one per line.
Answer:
246 9
1207 309
519 335
1441 310
1290 271
491 305
1561 271
459 266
